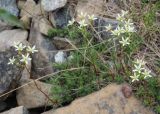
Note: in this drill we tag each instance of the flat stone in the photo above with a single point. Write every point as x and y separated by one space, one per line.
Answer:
10 6
17 110
30 97
109 100
50 5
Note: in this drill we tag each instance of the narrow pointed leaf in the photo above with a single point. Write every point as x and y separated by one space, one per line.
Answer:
10 19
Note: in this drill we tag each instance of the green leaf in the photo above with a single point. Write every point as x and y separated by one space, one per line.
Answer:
10 19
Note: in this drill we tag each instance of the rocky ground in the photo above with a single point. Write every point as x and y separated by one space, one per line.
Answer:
38 17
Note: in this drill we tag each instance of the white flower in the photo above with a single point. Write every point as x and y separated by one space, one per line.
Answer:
140 61
16 43
135 77
129 28
146 74
138 68
82 15
32 49
124 13
125 41
129 23
118 31
25 59
120 18
82 23
92 17
71 22
19 47
109 27
11 61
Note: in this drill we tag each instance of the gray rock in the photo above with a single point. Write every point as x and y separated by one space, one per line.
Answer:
4 26
10 6
8 37
60 17
42 61
100 24
9 74
109 100
50 5
17 110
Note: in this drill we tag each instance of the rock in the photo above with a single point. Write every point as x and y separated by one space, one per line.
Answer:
61 17
4 26
10 6
44 26
100 24
21 4
42 61
109 100
60 57
62 43
26 21
30 97
88 7
8 37
25 73
3 106
50 5
17 110
9 74
31 9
